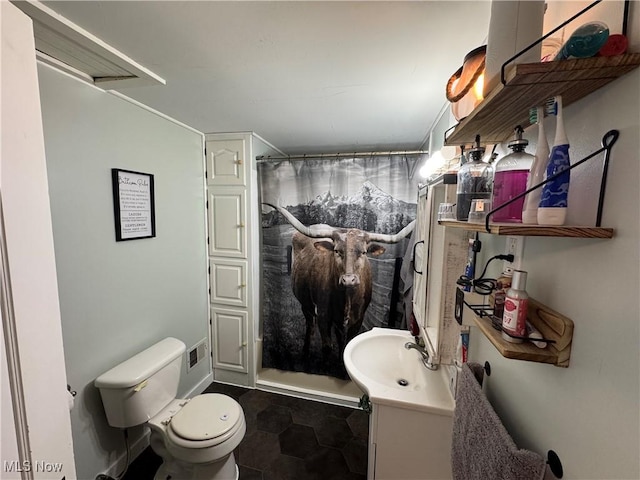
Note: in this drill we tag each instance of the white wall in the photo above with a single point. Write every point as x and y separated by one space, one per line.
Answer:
118 298
588 413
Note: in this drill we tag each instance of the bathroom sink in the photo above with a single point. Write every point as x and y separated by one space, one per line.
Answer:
378 362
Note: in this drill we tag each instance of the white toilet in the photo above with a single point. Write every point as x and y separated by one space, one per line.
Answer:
195 437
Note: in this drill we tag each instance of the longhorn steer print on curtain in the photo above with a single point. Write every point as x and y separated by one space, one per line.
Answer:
331 278
373 194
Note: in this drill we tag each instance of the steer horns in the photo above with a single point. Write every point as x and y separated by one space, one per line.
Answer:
326 231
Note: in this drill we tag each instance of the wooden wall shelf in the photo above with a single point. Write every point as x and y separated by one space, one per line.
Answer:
551 324
530 85
533 230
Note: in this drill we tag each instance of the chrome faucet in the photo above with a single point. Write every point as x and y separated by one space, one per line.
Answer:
422 351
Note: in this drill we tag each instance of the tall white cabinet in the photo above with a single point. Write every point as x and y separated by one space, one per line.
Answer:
233 216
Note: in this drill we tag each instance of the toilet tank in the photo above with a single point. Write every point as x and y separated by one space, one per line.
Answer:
137 389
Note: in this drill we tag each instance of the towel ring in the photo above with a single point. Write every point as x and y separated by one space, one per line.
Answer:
555 465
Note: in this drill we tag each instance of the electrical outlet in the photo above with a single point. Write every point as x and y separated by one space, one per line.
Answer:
514 246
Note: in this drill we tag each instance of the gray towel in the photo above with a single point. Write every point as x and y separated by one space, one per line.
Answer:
406 275
481 448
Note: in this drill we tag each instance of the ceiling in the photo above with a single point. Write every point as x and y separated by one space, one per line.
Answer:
309 77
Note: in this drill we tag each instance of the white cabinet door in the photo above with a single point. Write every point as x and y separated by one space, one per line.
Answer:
229 339
228 280
420 441
226 161
227 222
441 259
420 251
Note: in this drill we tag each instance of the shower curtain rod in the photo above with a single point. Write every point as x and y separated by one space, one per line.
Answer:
308 156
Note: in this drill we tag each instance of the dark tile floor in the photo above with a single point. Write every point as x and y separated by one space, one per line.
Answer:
288 438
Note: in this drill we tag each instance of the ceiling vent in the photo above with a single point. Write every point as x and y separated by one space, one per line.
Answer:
64 44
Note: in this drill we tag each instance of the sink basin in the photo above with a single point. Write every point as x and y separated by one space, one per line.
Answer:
378 362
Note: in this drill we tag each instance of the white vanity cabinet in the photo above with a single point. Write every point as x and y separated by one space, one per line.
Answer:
233 231
406 444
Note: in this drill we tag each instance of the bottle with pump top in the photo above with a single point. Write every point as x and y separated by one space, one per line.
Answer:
510 180
475 178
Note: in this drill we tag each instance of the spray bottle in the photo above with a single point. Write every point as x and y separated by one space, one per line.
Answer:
514 320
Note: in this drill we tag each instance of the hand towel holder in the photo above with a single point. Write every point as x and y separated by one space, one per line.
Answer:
553 460
555 465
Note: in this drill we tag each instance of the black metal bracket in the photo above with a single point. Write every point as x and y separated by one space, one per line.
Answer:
486 311
544 37
479 310
503 80
625 21
608 140
452 127
497 324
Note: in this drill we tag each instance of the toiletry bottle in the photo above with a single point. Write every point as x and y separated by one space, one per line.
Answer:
464 339
535 336
555 194
503 283
474 181
470 267
538 169
510 180
514 320
585 41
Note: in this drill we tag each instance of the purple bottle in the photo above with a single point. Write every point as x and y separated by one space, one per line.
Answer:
510 180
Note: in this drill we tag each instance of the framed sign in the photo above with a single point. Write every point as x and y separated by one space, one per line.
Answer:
133 204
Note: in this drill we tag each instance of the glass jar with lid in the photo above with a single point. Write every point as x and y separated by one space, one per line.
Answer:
475 179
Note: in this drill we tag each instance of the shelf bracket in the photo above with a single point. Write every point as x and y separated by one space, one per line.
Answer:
608 140
544 37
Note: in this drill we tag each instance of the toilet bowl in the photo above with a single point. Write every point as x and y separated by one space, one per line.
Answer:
194 437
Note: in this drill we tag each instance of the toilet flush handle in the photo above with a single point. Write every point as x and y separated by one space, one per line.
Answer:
140 386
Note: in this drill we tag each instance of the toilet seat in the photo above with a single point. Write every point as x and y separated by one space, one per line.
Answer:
205 421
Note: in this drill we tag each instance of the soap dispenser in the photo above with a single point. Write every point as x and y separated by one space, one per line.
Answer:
510 180
475 178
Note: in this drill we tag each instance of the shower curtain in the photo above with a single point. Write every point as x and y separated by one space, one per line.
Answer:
373 194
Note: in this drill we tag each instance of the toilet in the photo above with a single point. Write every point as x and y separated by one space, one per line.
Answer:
195 437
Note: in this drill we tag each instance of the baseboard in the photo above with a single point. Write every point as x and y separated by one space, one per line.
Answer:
135 449
232 377
200 387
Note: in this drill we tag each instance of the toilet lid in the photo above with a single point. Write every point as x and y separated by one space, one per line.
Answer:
206 416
